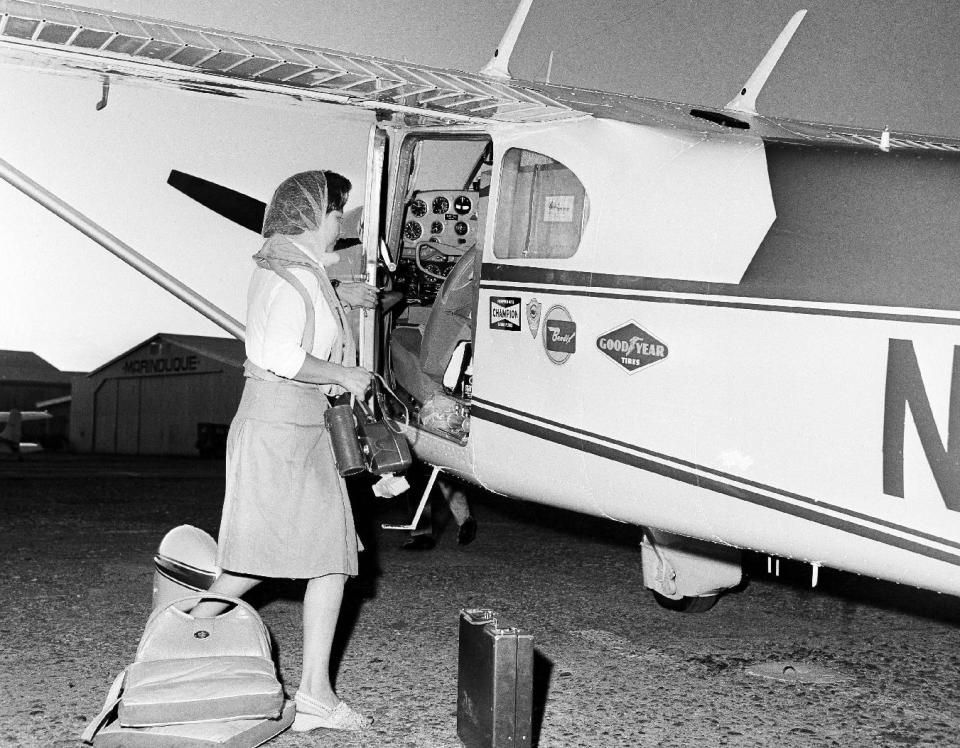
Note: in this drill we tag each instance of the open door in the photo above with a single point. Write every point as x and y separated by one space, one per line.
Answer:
440 189
370 238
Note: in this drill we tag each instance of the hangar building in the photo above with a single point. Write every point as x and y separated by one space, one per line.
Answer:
170 395
28 382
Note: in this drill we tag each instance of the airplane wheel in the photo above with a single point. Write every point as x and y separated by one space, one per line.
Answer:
686 604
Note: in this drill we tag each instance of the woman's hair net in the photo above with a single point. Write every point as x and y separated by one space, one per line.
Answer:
301 201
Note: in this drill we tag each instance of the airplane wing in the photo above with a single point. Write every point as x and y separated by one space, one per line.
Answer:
674 115
229 64
226 63
27 415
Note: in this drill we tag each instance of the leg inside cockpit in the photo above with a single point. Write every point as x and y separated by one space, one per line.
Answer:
441 238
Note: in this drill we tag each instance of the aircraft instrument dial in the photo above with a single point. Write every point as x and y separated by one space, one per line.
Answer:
460 228
418 208
441 204
436 227
462 204
412 231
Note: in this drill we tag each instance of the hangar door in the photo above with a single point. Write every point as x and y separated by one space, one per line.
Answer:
158 415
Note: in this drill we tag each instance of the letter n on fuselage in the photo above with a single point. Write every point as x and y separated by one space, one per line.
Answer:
905 387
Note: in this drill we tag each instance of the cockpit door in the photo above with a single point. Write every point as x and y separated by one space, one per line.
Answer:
370 238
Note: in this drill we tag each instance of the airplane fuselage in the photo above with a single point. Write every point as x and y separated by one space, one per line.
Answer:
695 366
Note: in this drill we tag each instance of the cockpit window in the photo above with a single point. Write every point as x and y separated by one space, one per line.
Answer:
543 208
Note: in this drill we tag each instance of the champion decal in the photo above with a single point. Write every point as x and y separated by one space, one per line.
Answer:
505 313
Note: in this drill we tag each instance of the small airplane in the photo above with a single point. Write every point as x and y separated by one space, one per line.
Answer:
733 330
12 431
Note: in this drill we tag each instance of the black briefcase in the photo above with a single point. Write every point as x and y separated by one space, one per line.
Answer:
494 683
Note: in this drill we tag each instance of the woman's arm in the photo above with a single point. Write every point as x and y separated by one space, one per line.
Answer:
278 325
357 295
355 379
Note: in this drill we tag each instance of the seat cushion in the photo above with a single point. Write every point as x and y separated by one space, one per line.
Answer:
197 689
444 330
240 733
406 339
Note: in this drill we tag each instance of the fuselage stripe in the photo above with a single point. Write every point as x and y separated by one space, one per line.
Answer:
506 278
683 471
753 306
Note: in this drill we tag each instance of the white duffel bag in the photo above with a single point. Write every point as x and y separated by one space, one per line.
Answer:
192 670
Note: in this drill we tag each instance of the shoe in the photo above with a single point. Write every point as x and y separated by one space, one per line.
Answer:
419 543
467 532
312 715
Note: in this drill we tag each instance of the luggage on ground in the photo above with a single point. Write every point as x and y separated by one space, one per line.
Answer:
494 683
196 681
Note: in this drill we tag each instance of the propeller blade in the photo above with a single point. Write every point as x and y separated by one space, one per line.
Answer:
351 229
245 210
235 206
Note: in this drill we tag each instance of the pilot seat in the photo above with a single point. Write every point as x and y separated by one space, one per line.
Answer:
420 358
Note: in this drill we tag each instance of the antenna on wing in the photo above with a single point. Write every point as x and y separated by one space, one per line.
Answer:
746 100
499 65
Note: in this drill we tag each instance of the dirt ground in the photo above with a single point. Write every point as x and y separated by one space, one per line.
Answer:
78 534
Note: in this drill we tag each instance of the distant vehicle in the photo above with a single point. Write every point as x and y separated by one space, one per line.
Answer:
12 431
704 321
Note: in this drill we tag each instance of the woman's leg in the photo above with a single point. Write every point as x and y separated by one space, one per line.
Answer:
321 609
229 584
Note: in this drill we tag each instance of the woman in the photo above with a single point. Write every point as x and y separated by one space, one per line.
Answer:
285 510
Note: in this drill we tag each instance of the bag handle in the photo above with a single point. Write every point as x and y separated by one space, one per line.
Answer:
204 595
380 384
198 596
380 399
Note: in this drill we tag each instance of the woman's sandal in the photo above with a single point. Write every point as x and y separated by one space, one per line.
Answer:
312 715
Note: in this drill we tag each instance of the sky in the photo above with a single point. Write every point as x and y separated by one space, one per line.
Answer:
861 62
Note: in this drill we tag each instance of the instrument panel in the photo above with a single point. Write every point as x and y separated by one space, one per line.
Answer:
438 227
446 217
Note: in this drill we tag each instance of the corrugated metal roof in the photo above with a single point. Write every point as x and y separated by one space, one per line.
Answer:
26 366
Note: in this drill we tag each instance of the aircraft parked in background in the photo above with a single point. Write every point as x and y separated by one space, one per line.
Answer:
12 431
707 322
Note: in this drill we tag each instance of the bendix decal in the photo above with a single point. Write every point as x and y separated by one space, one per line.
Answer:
559 334
631 347
504 313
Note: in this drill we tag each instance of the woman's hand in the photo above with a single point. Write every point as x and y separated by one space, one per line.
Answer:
356 380
356 295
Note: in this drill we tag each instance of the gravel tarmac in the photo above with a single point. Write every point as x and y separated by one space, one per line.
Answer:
853 662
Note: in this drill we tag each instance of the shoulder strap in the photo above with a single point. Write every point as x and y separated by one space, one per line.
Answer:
310 327
113 698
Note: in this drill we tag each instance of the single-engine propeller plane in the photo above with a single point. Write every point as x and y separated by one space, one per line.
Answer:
733 330
12 431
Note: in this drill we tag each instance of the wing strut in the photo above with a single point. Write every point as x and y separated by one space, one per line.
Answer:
746 100
125 252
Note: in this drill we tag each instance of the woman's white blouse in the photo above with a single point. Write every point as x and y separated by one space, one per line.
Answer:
275 320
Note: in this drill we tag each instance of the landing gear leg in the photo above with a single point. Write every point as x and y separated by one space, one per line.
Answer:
685 574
